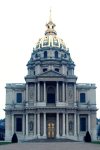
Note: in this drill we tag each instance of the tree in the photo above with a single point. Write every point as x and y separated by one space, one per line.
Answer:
87 137
14 138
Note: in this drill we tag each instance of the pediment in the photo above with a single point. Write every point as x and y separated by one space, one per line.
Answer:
51 73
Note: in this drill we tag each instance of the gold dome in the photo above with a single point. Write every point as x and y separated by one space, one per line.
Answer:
50 39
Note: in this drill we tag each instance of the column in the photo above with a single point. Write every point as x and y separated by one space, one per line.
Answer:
63 69
13 95
44 91
27 124
34 125
23 124
78 124
34 92
12 124
38 91
38 124
29 71
77 96
57 125
27 92
63 124
72 72
74 124
89 123
66 124
57 88
44 124
66 94
74 94
63 91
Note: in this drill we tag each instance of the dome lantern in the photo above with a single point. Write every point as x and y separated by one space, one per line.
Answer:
50 39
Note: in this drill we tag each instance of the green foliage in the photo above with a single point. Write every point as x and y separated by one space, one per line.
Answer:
96 142
14 138
4 143
87 137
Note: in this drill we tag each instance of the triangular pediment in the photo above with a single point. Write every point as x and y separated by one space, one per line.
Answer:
51 73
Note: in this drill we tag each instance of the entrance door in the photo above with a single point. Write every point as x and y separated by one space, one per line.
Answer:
51 130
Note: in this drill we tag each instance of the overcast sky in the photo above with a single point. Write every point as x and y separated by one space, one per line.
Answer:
22 23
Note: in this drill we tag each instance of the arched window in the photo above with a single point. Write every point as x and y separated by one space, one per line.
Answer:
82 97
36 56
45 54
19 97
65 56
56 69
82 124
45 69
56 54
51 95
70 125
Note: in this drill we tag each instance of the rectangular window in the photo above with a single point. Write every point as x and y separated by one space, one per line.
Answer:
19 97
82 97
82 124
57 70
44 70
19 124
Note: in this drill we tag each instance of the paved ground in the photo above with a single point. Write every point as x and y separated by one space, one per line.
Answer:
51 146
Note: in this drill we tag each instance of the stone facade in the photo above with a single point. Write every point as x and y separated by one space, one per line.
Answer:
50 104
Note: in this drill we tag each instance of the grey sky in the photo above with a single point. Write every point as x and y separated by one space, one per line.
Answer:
22 23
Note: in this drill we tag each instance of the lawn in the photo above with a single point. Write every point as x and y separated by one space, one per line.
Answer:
4 143
95 142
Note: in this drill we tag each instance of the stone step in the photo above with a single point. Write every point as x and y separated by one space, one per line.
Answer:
50 140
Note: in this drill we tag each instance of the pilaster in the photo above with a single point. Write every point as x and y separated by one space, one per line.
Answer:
12 124
63 124
57 135
26 124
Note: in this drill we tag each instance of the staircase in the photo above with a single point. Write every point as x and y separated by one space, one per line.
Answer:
50 140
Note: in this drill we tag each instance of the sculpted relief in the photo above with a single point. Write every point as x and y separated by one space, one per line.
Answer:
31 126
31 91
31 94
70 94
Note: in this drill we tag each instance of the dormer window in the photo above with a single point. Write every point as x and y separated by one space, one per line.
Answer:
52 27
48 27
45 54
65 56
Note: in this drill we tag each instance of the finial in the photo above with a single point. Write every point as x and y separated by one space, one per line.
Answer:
50 14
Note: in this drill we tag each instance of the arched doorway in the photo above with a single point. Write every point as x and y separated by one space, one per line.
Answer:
51 95
51 130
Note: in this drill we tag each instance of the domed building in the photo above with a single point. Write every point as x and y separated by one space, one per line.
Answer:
50 105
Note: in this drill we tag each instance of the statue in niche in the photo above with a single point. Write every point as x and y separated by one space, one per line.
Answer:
31 94
88 104
31 126
13 104
70 125
70 94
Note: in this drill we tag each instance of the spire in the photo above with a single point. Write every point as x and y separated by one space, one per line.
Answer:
50 26
50 15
